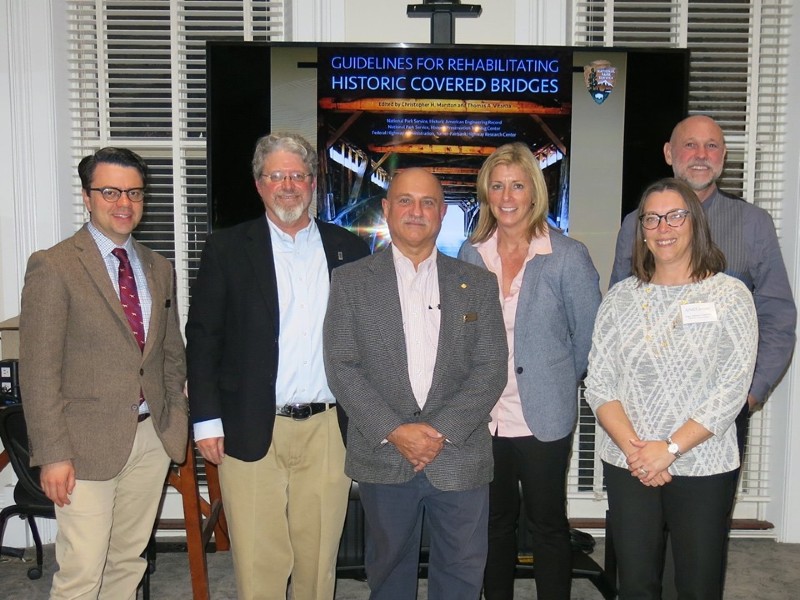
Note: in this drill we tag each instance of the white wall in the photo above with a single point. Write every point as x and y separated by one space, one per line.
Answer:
34 174
385 21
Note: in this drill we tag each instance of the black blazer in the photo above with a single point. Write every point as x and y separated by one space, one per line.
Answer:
232 331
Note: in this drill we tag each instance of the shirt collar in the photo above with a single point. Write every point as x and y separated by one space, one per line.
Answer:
402 262
301 237
105 244
709 202
539 244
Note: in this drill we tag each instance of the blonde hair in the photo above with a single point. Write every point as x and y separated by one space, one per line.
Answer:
520 155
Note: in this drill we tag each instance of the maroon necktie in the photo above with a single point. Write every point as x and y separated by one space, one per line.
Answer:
129 296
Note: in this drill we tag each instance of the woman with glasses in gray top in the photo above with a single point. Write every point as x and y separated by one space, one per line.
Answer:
673 353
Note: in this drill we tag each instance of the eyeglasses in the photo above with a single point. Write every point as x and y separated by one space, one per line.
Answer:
112 194
280 176
673 218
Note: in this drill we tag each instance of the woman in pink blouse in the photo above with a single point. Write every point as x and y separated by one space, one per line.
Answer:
549 293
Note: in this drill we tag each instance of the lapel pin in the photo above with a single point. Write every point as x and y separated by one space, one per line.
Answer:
340 255
463 286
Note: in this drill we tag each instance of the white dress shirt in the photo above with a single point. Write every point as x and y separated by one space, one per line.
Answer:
301 271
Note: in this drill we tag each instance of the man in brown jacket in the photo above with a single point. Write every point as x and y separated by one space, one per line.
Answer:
102 373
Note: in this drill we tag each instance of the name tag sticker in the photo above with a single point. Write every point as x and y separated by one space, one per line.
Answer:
699 312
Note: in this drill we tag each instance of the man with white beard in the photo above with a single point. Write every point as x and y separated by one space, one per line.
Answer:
260 402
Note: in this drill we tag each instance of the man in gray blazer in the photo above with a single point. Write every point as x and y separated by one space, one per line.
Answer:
102 373
416 353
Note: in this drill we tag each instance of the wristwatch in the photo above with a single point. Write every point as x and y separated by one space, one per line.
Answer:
673 449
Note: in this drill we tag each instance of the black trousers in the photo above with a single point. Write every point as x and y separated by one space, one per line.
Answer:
696 510
742 427
742 423
541 469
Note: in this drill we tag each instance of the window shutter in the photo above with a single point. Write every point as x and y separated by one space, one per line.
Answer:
137 79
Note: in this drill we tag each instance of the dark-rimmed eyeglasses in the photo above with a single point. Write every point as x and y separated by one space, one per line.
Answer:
673 218
280 177
112 194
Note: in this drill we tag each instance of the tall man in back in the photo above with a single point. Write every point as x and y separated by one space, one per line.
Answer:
416 353
260 403
102 373
746 234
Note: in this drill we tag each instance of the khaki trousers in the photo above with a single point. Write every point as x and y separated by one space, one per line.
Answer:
106 526
286 511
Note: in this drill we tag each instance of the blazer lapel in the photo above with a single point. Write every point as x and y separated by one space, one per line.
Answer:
530 279
453 295
383 292
262 261
92 262
335 255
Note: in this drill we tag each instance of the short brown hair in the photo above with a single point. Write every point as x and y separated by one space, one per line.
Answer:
520 155
122 157
706 257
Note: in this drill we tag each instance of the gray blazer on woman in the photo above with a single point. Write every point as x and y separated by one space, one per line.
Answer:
557 304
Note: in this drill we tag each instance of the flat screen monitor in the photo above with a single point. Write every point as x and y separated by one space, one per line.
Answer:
595 119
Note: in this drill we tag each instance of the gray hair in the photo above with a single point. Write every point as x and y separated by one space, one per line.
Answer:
288 142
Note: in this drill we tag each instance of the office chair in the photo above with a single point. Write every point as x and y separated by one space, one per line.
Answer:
29 498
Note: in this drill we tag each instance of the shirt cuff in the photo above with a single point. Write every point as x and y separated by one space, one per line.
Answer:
208 429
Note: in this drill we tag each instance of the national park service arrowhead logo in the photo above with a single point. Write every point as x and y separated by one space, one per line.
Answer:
600 78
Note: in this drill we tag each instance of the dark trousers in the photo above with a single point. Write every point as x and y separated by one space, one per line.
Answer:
457 523
541 470
742 424
696 510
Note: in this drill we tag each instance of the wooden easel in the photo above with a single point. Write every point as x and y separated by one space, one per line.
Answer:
203 518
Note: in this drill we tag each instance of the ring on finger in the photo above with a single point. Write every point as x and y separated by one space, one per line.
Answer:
642 470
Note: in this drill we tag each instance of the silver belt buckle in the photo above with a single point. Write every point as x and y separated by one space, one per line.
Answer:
296 411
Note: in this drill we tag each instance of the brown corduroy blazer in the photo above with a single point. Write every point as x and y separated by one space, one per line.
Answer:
81 368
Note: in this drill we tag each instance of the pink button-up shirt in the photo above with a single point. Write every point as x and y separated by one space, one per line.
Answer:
507 418
419 303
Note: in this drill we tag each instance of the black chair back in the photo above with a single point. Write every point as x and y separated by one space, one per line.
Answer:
14 435
30 499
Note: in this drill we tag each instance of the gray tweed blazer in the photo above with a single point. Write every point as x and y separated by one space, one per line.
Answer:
366 365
